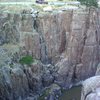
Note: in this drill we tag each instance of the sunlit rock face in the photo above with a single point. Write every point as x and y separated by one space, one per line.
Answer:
83 48
91 89
66 43
54 30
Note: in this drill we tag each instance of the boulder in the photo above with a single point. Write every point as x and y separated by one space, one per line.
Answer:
89 88
95 95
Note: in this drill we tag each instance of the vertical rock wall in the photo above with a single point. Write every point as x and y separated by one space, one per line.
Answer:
73 35
83 48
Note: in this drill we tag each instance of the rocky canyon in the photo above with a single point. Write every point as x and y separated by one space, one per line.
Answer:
65 46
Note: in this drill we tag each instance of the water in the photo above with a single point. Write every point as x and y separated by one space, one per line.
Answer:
72 94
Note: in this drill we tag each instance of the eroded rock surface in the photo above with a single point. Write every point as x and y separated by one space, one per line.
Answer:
65 44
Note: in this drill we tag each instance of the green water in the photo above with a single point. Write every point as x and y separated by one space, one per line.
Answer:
72 94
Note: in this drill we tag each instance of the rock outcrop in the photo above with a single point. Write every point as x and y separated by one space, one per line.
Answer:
95 95
91 87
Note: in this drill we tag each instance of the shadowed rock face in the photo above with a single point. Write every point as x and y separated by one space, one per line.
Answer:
68 41
13 84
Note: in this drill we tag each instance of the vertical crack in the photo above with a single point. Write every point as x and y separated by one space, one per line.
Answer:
43 47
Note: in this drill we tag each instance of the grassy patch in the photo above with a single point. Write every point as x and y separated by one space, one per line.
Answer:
28 60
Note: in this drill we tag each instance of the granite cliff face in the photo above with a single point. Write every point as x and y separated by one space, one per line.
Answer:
73 36
65 44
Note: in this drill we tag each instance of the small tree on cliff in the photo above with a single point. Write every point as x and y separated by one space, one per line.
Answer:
89 3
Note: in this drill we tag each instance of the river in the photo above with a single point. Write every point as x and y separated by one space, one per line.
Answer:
72 94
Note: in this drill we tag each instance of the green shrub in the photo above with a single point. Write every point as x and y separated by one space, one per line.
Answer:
89 3
28 60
